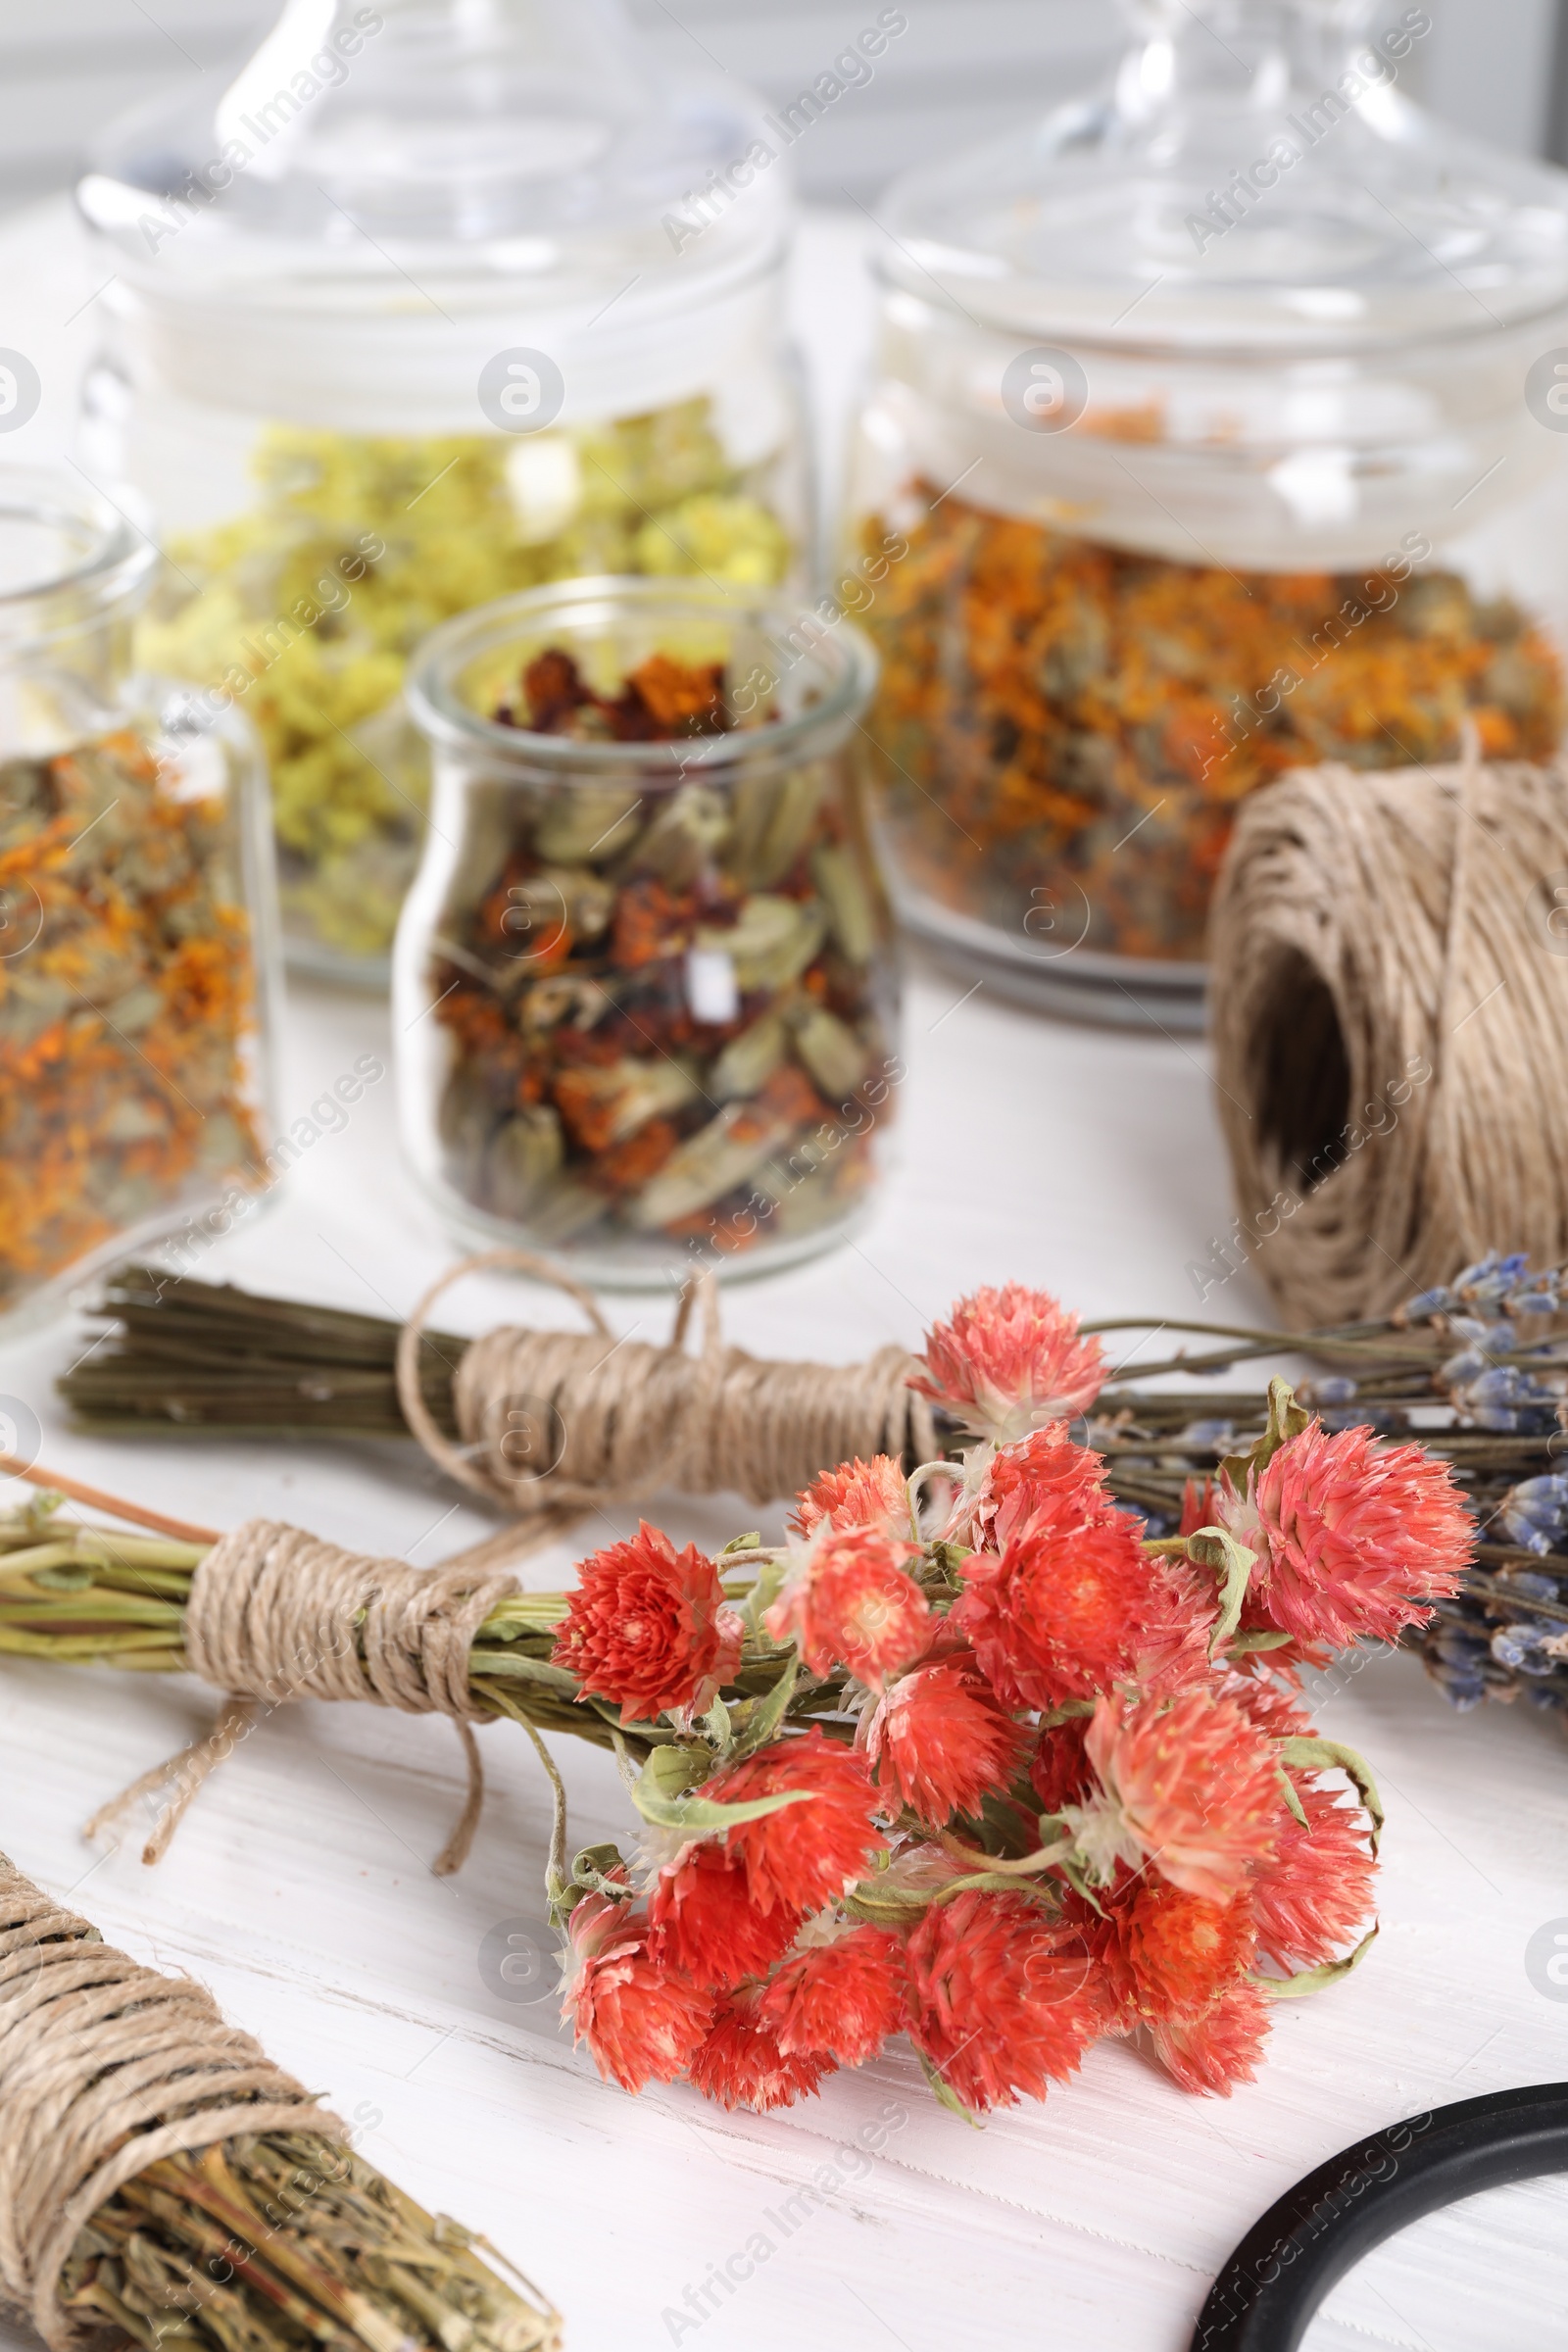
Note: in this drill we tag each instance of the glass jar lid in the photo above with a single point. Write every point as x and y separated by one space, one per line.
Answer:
1258 181
362 148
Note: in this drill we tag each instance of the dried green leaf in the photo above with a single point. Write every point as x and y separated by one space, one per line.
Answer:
1306 1755
1315 1979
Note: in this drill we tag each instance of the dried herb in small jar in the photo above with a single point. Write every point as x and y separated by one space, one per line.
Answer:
1062 717
359 543
665 982
128 1082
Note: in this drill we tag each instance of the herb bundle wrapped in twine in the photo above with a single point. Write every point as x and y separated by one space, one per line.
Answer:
163 2180
543 1424
969 1755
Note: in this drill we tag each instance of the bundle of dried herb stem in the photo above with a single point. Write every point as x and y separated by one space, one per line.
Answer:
278 2240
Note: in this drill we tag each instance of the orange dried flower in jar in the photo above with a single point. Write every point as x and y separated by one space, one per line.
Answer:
1054 711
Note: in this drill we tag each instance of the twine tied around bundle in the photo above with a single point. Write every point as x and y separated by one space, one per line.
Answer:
1389 976
106 2067
276 1615
554 1422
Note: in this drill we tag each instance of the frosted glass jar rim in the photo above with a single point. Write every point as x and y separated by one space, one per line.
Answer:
104 556
844 668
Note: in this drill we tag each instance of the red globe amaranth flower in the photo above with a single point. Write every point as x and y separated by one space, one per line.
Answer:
1200 1505
941 1739
740 2064
1062 1611
1045 1473
703 1922
844 1997
1109 1973
848 1600
856 1494
1315 1894
802 1856
1354 1539
1059 1772
1182 1952
1192 1787
1002 2001
640 2023
1272 1707
647 1626
1007 1360
1221 2046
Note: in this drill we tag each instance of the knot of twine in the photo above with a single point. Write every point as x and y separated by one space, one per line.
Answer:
1389 975
552 1422
106 2067
276 1615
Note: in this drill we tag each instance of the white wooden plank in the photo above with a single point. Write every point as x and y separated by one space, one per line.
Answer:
299 1885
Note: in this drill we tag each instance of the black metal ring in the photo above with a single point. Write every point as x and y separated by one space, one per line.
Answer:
1264 2298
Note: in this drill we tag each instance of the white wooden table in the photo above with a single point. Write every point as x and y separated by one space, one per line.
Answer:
299 1885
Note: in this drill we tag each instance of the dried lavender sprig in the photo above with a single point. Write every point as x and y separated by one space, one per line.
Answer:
1477 1373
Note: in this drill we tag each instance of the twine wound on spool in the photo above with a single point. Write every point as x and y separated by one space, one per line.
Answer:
595 1419
276 1615
1390 1028
106 2067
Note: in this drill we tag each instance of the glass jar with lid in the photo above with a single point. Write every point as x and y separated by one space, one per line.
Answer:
437 304
138 946
644 995
1217 427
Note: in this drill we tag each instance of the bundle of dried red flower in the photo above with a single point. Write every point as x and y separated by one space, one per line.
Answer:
1006 1781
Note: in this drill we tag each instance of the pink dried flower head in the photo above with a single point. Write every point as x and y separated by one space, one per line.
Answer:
1314 1895
1007 1360
1182 1952
856 1494
1064 1609
1190 1788
1274 1708
741 2065
1044 1475
941 1738
1220 2046
848 1600
802 1856
1354 1539
1003 2000
844 1997
703 1922
641 2022
647 1626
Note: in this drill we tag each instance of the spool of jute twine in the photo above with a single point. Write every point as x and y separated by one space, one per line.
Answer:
1388 981
552 1423
106 2067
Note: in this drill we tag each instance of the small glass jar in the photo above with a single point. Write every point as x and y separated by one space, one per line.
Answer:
439 303
138 929
1217 430
645 994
